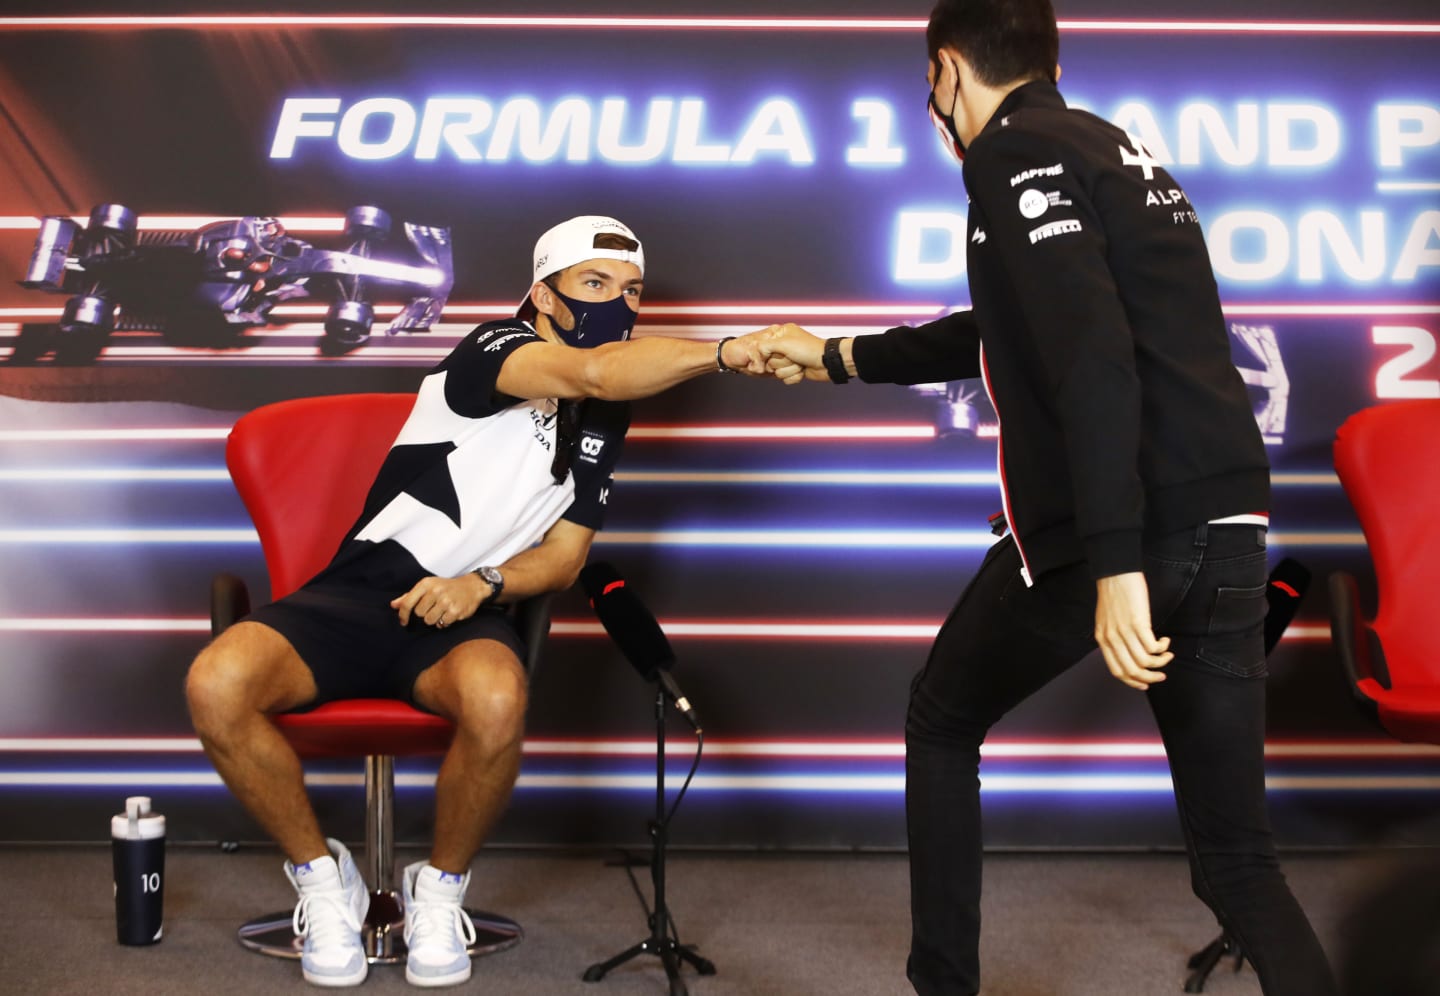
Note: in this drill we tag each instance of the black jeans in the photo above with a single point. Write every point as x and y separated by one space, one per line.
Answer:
1003 641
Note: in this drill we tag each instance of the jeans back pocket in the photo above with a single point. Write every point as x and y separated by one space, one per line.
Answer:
1234 640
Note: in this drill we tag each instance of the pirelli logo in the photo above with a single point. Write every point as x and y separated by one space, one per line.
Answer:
1053 229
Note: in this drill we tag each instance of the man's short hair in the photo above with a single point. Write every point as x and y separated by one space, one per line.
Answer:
1001 40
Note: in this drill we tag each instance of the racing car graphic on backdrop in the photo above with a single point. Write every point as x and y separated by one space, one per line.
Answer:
207 286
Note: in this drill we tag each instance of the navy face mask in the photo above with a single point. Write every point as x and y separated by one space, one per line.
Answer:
596 322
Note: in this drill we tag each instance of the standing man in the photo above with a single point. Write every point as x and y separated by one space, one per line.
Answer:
491 493
1134 479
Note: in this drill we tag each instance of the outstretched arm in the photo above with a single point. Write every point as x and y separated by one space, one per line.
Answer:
621 371
943 350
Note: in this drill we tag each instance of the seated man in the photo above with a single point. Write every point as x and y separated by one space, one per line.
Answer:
491 493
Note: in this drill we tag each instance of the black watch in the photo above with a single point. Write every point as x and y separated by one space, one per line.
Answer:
834 364
496 580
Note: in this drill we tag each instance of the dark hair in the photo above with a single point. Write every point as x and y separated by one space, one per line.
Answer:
605 240
614 240
1002 40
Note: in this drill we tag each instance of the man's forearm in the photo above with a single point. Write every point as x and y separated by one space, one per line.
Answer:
536 571
627 371
943 350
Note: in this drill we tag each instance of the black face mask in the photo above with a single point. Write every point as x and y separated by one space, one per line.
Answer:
596 322
945 125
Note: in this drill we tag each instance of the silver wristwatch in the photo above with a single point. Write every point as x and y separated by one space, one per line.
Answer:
496 580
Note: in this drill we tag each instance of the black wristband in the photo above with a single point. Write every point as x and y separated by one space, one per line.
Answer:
834 364
720 357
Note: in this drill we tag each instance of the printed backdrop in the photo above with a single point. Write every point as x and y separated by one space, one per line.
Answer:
800 545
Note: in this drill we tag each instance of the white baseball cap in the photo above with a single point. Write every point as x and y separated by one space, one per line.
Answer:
573 241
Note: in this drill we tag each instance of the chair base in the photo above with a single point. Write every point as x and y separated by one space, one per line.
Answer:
383 932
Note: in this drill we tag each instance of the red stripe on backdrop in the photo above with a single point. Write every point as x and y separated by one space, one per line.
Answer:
855 309
356 21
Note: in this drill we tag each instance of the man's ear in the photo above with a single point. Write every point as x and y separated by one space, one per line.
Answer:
949 62
1057 73
546 303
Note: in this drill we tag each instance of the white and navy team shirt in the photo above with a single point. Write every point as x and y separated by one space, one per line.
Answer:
469 481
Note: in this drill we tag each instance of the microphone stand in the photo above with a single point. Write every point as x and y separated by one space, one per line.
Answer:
662 941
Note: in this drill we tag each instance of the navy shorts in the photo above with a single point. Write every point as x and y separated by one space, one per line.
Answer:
353 643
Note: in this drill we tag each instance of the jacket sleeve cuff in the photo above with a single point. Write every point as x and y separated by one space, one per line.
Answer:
873 363
1117 552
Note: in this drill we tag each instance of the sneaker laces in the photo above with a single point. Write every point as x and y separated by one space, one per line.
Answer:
437 922
330 922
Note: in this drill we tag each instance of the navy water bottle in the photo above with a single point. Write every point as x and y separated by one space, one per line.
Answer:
137 844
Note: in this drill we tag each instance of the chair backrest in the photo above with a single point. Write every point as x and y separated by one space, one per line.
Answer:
1388 459
303 468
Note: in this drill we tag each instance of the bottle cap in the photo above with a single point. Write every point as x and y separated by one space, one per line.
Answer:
137 822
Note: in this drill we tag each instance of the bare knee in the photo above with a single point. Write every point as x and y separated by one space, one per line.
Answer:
247 671
213 689
489 702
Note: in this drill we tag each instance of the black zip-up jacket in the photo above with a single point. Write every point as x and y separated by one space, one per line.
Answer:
1097 327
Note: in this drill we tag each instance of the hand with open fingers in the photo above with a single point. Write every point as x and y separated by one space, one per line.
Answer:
440 602
1132 652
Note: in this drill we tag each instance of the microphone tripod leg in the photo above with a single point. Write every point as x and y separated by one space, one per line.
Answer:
661 942
597 971
672 970
702 965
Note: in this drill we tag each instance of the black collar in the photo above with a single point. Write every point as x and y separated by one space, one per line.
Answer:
1035 94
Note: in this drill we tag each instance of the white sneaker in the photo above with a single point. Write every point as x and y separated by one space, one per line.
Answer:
333 903
437 929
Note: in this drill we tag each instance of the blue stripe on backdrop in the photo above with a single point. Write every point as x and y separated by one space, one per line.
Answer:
1316 801
1125 779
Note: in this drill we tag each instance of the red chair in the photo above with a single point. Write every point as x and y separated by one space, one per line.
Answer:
1388 460
303 468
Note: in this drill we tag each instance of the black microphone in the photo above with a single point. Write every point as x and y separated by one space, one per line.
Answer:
633 628
1288 583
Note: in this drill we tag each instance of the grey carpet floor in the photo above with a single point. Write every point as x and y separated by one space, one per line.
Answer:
788 925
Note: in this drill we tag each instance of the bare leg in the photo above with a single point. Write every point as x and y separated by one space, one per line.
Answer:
248 672
480 687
